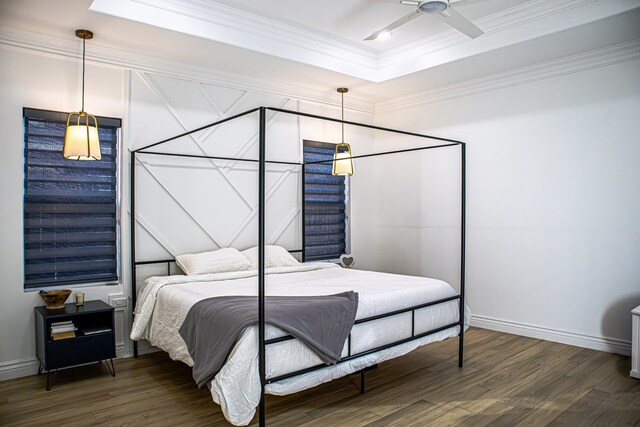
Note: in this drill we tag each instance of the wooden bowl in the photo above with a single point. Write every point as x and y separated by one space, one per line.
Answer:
55 299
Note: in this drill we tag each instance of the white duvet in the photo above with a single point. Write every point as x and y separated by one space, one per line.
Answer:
165 301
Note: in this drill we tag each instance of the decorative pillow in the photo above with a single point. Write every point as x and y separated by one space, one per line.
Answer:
274 256
220 261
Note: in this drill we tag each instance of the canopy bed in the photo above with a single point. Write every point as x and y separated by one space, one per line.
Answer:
395 313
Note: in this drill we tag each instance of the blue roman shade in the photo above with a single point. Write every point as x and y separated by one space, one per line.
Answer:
325 200
70 206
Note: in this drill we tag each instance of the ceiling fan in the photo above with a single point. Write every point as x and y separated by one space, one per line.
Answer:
441 9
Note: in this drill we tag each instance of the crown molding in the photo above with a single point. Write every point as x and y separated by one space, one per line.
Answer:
602 57
107 56
261 26
221 23
246 29
66 48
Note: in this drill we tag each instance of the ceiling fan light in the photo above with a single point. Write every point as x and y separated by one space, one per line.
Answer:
433 6
383 35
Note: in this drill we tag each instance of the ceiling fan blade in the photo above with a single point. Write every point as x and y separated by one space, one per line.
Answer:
408 2
459 22
456 3
395 24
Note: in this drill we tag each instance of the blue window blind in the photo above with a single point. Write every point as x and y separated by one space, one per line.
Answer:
325 201
70 206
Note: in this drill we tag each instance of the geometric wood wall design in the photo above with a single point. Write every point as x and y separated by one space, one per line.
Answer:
189 205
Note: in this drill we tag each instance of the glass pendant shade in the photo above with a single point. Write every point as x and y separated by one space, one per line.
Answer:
81 140
342 162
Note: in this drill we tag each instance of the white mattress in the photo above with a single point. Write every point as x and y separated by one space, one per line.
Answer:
165 301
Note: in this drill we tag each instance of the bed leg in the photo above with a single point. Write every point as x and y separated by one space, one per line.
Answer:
262 413
362 376
461 347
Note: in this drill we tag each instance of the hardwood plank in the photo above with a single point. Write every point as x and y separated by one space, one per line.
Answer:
404 417
507 380
587 410
491 411
625 411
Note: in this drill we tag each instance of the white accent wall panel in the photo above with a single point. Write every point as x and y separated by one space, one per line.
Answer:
188 205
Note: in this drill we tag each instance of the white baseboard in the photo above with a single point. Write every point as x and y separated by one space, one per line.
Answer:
121 351
18 368
610 345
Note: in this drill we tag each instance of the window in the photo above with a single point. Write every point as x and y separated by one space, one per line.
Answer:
70 207
325 198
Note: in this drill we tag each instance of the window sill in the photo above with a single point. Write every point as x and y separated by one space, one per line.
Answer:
74 286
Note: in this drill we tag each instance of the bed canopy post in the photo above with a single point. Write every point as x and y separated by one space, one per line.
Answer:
132 234
463 212
261 265
302 202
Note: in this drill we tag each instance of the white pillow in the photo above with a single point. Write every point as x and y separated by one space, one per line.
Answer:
274 256
220 261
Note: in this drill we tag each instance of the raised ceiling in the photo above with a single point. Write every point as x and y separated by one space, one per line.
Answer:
318 45
329 34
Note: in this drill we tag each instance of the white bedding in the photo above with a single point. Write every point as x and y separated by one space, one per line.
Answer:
165 301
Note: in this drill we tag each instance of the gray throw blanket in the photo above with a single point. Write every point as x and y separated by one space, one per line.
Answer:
213 325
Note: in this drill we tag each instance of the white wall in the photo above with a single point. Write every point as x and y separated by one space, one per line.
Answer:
183 205
553 238
39 82
552 203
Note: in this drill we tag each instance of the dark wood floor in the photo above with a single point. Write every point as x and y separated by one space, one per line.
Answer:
507 381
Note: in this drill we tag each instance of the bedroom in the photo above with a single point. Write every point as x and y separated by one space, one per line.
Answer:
546 101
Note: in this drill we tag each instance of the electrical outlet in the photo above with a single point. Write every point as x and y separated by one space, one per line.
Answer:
119 302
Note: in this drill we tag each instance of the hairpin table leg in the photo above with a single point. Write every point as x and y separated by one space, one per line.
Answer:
50 379
111 367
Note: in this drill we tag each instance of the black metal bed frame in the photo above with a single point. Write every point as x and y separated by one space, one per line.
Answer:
262 162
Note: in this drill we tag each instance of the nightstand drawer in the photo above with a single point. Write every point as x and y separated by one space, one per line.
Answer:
78 350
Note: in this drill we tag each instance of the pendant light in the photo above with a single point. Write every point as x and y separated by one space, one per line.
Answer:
81 140
342 162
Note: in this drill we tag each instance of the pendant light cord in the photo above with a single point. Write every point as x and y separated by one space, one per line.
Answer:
84 50
342 95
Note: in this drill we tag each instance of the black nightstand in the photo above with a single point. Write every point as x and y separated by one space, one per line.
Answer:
95 338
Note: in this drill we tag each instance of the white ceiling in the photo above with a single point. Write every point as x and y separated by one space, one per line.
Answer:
318 44
353 20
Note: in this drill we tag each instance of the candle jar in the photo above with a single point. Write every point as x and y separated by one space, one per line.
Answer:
79 298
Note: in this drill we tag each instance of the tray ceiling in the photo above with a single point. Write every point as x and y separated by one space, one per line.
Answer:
329 34
312 47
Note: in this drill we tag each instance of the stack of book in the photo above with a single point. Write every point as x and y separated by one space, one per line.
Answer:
63 330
